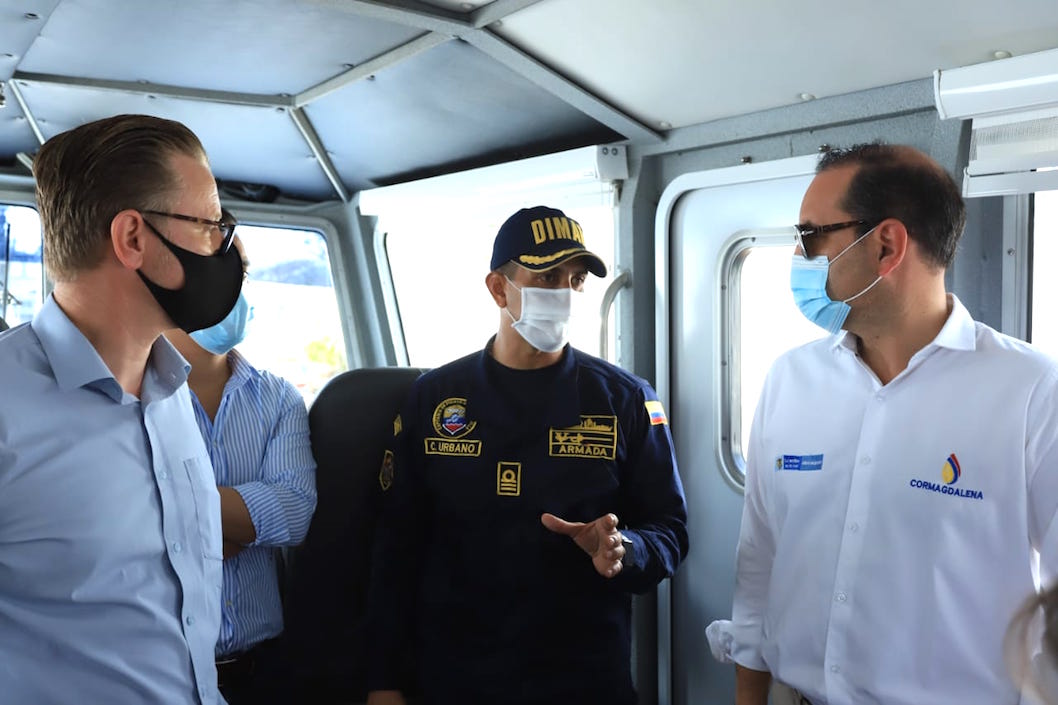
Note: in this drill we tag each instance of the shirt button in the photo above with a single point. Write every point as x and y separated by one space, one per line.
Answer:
841 597
835 669
189 620
865 460
164 474
177 547
854 527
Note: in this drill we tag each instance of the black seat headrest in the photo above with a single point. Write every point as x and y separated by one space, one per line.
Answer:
351 423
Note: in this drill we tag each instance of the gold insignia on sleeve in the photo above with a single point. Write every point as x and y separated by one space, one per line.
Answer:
385 474
398 426
508 479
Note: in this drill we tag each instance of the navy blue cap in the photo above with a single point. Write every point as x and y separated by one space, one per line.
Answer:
540 238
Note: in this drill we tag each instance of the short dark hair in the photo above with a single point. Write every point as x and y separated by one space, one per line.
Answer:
508 269
895 181
89 174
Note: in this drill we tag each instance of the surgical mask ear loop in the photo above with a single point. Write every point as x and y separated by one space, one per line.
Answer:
506 309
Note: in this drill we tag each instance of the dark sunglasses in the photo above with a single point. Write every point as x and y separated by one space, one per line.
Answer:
802 231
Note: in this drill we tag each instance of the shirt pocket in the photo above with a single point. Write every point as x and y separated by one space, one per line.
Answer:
207 507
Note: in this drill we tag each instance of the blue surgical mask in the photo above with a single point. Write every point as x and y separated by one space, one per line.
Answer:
808 282
222 337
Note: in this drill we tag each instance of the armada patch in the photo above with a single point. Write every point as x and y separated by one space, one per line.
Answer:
594 437
450 418
385 474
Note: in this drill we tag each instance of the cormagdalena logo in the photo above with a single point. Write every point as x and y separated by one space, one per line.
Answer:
950 474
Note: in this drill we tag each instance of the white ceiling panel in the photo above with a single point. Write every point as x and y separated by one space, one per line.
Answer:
20 22
673 63
250 46
266 148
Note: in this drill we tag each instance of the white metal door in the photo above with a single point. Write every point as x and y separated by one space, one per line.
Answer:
700 217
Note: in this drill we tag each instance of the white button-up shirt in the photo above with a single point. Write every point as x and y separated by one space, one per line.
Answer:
890 532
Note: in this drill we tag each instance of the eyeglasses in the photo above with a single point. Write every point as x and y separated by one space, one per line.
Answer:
226 226
803 231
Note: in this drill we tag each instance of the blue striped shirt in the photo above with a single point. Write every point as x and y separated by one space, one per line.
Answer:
259 445
110 530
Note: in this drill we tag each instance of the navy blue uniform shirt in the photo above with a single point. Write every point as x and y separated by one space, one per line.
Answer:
496 608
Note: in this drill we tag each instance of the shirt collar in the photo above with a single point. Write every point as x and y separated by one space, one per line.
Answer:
76 363
959 331
242 371
73 359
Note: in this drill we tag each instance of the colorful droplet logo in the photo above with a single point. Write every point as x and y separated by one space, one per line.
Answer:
951 470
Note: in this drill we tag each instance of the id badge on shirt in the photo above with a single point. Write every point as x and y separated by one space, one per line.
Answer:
799 463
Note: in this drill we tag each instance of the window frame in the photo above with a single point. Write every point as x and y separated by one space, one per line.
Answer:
10 197
255 215
730 434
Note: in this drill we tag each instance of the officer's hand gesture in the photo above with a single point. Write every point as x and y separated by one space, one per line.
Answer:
600 539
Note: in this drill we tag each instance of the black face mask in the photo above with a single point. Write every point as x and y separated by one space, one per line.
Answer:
211 286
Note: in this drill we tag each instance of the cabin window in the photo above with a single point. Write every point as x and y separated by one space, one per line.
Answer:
438 262
1044 306
761 322
296 330
22 289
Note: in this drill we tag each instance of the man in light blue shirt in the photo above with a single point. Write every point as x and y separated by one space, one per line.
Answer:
257 432
110 529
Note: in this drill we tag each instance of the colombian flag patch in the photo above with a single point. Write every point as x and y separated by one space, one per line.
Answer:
656 412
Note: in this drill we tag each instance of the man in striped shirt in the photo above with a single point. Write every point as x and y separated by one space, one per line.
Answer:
257 433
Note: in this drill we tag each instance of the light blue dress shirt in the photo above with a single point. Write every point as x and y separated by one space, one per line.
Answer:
259 445
110 535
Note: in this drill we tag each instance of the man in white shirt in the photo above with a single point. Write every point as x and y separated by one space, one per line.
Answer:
903 472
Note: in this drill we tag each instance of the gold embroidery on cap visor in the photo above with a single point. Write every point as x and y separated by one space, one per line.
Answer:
547 259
